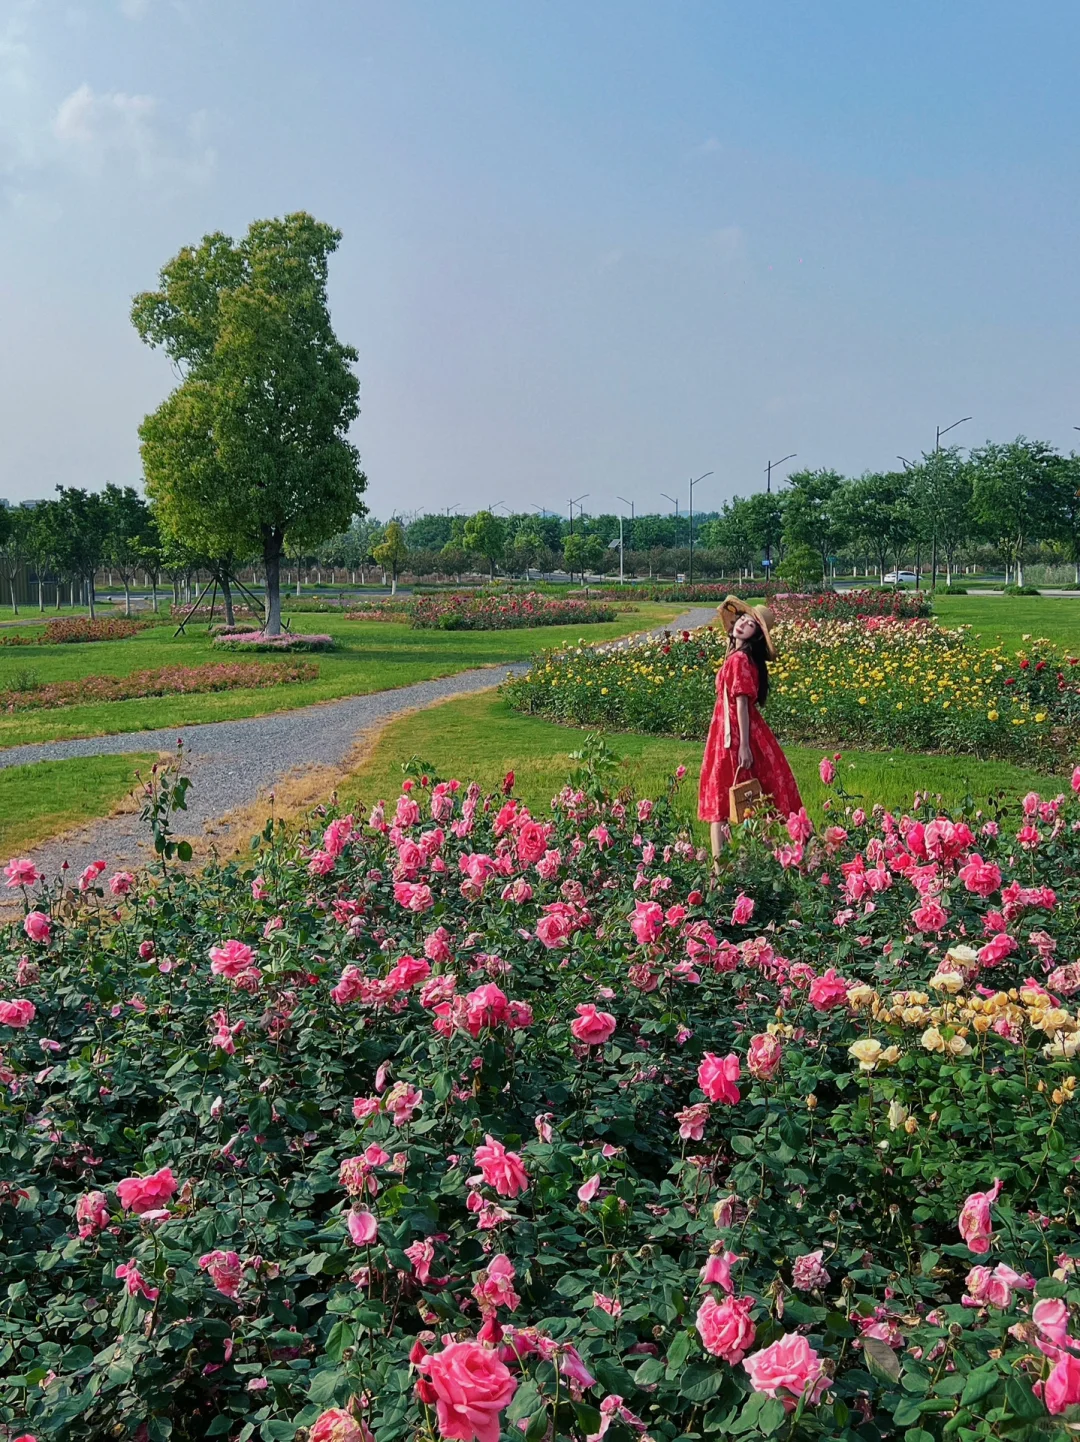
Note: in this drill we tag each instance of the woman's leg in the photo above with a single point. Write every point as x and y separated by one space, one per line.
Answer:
716 836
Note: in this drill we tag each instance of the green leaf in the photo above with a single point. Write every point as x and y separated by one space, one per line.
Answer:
183 851
678 1353
772 1416
273 1430
699 1382
743 1146
979 1384
881 1359
219 1426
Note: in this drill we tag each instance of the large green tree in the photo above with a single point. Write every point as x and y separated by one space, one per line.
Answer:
252 447
810 512
1014 495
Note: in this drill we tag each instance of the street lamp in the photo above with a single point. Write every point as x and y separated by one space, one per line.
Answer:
631 505
939 432
768 492
692 485
576 501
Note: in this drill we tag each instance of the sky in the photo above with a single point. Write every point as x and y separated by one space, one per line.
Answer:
590 247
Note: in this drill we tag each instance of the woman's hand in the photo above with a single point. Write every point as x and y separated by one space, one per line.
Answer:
746 758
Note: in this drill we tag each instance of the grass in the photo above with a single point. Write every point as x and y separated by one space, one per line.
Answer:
42 800
371 656
1010 618
480 738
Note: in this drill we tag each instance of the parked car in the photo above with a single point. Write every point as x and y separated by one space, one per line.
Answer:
899 578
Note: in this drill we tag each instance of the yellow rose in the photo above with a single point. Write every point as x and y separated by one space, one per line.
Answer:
898 1114
866 1052
932 1039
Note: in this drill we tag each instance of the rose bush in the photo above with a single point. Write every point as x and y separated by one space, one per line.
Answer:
547 1140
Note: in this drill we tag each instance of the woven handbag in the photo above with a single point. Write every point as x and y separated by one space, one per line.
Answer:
744 799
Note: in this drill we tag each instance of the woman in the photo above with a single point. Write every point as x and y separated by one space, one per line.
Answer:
740 744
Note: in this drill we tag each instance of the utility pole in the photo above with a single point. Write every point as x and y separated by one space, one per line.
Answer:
631 505
940 431
768 492
693 483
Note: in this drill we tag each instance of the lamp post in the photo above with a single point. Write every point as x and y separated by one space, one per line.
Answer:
631 505
576 502
768 492
939 432
675 502
693 483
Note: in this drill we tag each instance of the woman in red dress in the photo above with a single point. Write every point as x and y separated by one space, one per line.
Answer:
740 744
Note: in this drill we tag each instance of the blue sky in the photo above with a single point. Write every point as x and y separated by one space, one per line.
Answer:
589 245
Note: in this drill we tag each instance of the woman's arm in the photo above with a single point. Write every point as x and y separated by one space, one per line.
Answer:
742 711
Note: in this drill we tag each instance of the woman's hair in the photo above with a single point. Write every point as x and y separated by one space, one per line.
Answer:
758 653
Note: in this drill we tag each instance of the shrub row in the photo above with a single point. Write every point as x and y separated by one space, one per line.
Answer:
259 641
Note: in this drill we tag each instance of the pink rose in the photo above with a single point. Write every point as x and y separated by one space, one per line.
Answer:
827 771
134 1281
471 1388
146 1194
717 1077
554 929
91 1213
974 1221
121 883
789 1370
827 991
742 911
224 1270
17 1014
20 871
808 1273
763 1056
337 1425
931 916
231 960
592 1027
37 926
717 1270
531 842
437 945
1051 1318
589 1189
501 1169
980 877
415 896
421 1255
409 972
725 1327
1062 1388
646 922
363 1227
692 1121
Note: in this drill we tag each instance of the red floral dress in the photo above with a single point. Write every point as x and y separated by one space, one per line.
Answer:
739 677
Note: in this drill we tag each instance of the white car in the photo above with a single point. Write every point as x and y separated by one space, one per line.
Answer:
894 578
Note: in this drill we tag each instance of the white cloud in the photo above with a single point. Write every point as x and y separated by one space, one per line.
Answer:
94 130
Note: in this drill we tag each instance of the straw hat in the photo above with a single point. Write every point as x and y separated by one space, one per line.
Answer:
731 609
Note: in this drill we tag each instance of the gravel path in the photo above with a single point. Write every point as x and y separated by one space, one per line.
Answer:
232 763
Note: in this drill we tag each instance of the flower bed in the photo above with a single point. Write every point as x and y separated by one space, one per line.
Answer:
467 1108
382 609
69 630
259 641
464 612
163 681
870 682
850 605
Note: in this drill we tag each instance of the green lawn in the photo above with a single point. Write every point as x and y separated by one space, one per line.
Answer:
480 738
42 800
372 656
1010 618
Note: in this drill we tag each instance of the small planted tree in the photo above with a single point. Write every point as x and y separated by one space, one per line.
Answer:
485 535
392 552
252 447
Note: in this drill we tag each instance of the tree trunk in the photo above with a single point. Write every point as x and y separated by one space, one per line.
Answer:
127 595
393 583
40 593
272 564
226 596
153 591
14 600
90 594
